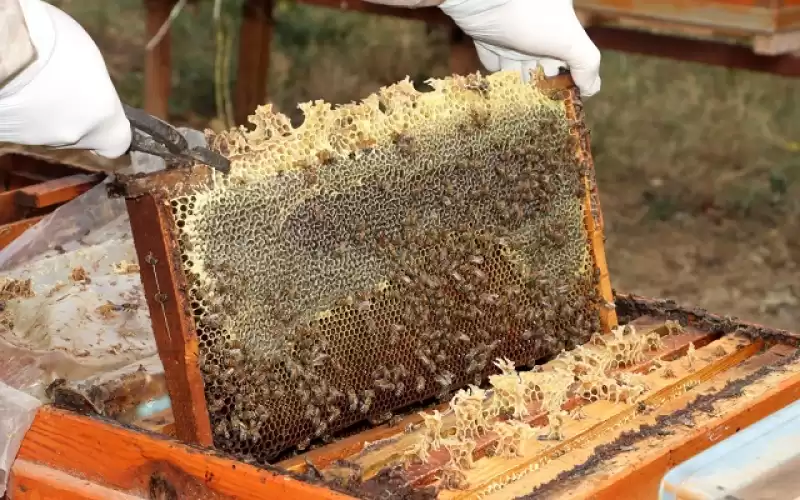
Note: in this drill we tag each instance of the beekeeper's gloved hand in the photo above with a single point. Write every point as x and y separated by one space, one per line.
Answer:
64 98
518 34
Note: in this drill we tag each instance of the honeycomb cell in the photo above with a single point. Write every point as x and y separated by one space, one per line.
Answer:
383 253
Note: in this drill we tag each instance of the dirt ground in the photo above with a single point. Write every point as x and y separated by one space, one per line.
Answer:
698 167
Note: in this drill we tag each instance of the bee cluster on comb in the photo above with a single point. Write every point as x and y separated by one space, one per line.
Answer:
384 253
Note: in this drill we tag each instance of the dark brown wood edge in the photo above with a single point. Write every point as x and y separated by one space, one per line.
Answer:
170 183
633 306
165 287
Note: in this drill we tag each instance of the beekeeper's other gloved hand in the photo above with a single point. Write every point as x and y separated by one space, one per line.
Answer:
64 98
518 34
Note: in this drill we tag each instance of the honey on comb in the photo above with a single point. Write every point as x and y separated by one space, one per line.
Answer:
383 253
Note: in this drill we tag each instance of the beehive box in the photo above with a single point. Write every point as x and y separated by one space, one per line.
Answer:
707 378
382 254
675 380
725 17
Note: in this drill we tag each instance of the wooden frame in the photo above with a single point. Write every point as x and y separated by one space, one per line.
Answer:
148 201
176 337
770 30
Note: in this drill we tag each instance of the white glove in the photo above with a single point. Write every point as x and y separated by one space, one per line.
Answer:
518 34
65 98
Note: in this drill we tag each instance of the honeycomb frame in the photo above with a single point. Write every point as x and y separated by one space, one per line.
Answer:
157 235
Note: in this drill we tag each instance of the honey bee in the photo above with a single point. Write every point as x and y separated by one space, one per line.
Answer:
315 210
405 143
420 384
320 428
366 403
476 259
311 412
221 429
384 385
310 175
479 119
347 301
478 84
304 444
305 395
488 298
426 362
352 399
478 274
445 379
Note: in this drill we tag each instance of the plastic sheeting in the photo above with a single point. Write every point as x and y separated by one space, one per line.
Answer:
84 313
17 410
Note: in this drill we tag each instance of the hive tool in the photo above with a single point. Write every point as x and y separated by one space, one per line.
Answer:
156 137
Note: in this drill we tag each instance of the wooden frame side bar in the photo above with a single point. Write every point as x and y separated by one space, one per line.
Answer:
593 218
78 457
152 223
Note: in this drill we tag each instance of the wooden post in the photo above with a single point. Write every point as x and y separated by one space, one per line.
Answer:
158 60
255 37
463 57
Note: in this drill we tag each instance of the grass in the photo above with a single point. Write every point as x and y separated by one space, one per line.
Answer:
699 177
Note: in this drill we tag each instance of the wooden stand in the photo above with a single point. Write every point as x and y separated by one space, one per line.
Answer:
255 40
158 60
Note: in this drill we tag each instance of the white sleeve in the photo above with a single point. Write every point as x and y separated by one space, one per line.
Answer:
16 48
411 4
